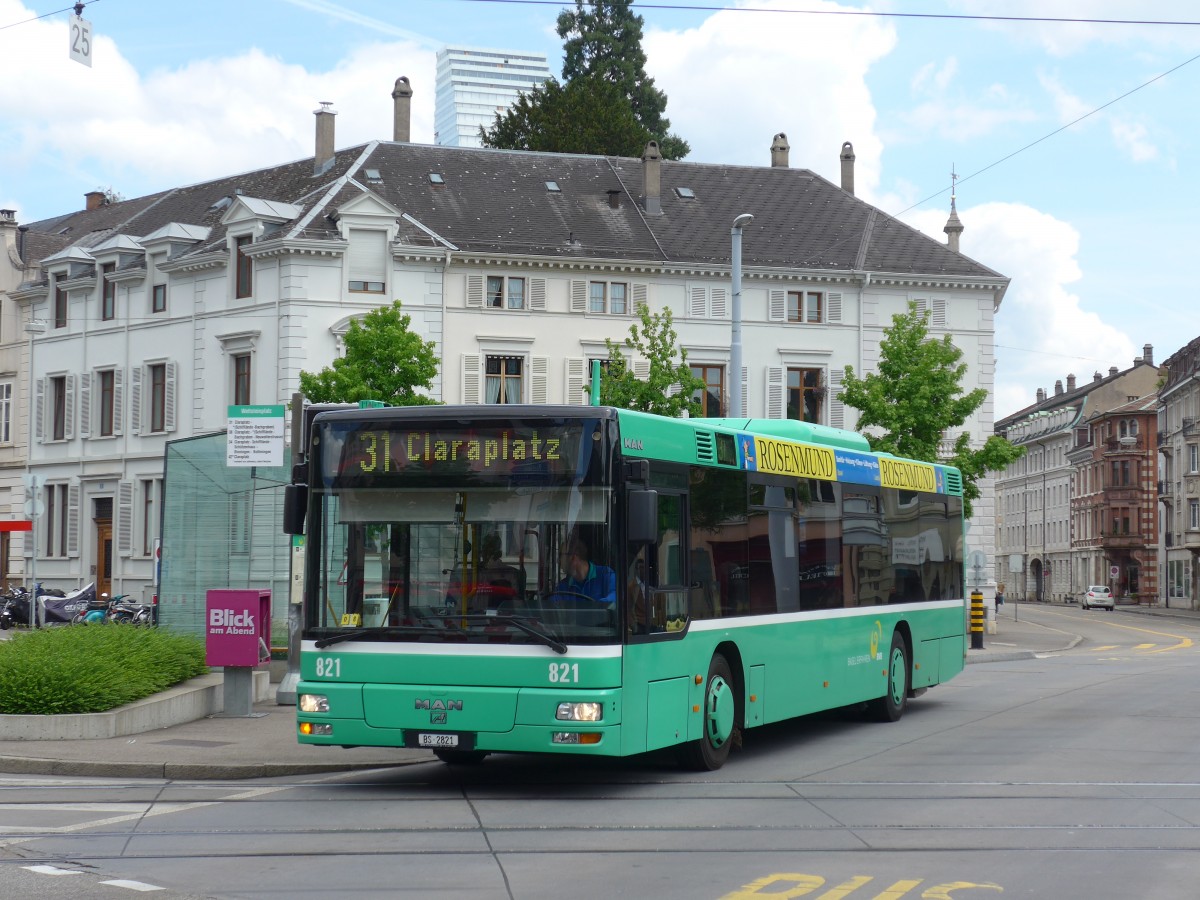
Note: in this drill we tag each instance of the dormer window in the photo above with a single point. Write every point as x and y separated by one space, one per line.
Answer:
368 261
245 267
108 292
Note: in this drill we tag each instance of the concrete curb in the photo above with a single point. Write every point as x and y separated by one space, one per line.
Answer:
1010 655
24 765
194 699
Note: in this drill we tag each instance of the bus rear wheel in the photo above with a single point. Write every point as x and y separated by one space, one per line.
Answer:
720 714
460 757
890 707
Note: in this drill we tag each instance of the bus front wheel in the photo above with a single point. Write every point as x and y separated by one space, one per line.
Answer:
720 712
890 707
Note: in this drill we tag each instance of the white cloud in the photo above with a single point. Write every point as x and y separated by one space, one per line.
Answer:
1043 330
739 78
142 132
1130 137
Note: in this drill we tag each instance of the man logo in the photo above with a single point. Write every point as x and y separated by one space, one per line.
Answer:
439 704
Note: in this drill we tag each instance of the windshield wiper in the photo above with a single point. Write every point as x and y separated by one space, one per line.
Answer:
363 632
548 639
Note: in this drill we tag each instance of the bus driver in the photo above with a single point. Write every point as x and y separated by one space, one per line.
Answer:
583 577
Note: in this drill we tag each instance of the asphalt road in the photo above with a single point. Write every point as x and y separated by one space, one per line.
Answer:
1068 776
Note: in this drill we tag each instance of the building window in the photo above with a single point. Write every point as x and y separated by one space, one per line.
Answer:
604 297
712 397
158 302
56 520
505 292
241 379
503 379
58 399
368 258
108 292
6 412
60 308
804 395
1193 458
1193 515
245 267
107 398
805 306
158 397
151 497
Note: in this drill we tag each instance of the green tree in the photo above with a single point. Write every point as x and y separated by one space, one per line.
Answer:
384 361
602 39
605 104
917 396
584 116
670 387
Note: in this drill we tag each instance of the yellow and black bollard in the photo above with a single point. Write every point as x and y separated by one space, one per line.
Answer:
977 614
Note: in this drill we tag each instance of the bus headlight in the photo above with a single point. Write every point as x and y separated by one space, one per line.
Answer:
313 703
580 712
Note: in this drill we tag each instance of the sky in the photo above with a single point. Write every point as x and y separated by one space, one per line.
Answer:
1075 142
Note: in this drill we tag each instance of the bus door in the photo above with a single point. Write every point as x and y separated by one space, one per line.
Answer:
656 581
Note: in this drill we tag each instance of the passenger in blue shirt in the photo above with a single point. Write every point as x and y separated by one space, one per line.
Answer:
584 578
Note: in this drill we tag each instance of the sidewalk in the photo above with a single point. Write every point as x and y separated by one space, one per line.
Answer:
264 745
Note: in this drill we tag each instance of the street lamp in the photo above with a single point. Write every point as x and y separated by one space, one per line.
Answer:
735 344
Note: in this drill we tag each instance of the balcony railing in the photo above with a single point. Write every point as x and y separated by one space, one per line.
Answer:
1164 489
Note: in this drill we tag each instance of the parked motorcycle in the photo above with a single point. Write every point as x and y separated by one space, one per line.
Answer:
14 608
129 612
97 612
62 609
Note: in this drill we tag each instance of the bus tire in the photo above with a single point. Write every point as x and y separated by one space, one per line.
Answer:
460 757
890 707
720 713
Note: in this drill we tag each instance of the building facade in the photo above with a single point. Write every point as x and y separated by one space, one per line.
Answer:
150 317
1178 438
1053 504
474 84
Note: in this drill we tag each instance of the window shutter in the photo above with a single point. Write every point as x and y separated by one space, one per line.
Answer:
774 392
837 409
641 369
835 306
777 311
537 293
169 400
124 517
69 408
579 296
641 296
85 405
697 302
135 400
475 290
539 376
922 306
577 376
39 409
470 378
368 255
118 401
73 520
720 303
939 312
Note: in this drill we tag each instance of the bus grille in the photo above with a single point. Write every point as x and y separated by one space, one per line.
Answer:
706 451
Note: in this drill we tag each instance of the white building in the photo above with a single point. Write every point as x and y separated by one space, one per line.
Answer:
474 84
149 317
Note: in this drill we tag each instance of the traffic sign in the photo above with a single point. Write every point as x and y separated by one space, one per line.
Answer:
1114 571
80 34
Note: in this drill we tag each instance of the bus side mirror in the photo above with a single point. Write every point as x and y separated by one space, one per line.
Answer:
295 504
641 525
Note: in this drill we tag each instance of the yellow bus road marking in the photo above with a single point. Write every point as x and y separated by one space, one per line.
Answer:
1105 647
1144 646
788 885
1184 642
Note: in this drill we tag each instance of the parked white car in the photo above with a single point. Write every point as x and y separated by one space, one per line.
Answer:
1098 596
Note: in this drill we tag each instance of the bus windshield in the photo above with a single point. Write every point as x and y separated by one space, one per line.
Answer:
453 534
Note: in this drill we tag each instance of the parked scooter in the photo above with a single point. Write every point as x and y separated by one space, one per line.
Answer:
97 612
14 608
129 612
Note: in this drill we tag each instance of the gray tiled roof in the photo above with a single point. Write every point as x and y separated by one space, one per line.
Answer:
496 202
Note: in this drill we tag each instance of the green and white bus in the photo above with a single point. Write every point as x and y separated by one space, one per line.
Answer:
722 575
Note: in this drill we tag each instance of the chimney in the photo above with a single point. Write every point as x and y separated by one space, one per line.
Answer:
1070 382
8 217
1097 376
848 167
401 109
1058 387
652 179
779 151
1113 370
323 157
1041 395
1148 354
94 199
